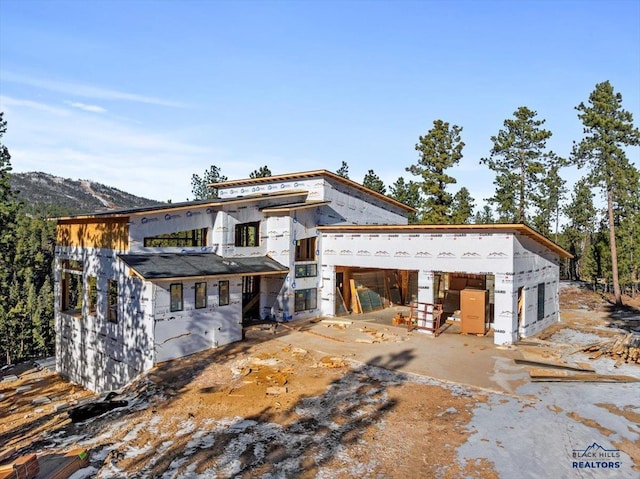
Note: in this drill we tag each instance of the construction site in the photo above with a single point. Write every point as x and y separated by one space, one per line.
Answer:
360 394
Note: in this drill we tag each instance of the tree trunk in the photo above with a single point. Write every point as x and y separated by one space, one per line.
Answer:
614 251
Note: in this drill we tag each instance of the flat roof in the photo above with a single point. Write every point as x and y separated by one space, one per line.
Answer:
123 213
177 266
517 227
307 175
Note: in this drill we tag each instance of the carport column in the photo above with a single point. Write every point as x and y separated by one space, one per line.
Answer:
328 291
505 321
425 286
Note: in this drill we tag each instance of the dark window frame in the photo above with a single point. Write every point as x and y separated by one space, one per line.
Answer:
306 249
308 270
112 301
223 298
200 302
173 307
92 290
247 235
305 299
179 239
541 301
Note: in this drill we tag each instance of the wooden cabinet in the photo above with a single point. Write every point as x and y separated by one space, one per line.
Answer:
474 311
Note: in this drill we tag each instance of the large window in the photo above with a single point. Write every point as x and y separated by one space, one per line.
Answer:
223 293
201 295
306 270
306 299
248 234
306 249
72 290
112 309
176 297
180 239
540 301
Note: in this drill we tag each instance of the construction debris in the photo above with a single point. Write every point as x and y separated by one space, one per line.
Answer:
624 348
95 408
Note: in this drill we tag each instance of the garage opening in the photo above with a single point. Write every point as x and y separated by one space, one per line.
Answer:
363 290
466 299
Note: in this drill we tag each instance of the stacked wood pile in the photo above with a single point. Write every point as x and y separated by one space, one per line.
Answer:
624 349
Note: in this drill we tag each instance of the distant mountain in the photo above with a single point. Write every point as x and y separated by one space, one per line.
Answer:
50 195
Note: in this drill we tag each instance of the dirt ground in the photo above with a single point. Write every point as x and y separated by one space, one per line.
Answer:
266 408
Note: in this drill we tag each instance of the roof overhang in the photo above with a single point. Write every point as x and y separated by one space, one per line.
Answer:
488 228
182 266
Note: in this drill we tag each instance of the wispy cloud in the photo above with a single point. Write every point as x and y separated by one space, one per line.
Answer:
87 91
7 102
85 107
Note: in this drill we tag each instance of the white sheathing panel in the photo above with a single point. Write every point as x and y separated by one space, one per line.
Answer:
535 266
180 333
278 300
225 227
356 207
348 205
303 225
477 253
152 224
90 350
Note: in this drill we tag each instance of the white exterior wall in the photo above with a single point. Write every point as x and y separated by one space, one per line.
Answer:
304 225
348 205
180 333
535 265
152 224
90 350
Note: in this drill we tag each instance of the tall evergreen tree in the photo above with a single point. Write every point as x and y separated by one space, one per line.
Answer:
408 194
519 160
462 207
373 182
485 216
548 199
261 172
343 170
608 129
9 207
438 150
577 233
200 184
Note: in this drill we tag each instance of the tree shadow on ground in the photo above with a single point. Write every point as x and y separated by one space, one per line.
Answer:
316 429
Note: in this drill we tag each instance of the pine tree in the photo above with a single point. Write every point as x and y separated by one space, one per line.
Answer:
200 184
343 170
608 129
373 182
261 172
408 194
485 216
519 160
581 215
9 207
548 199
462 207
438 150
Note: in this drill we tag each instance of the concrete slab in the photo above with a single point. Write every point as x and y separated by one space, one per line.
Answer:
451 357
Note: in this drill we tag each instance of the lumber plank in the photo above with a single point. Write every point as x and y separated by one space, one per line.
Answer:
562 375
555 364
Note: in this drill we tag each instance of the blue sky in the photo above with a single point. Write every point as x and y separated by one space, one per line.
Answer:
141 94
